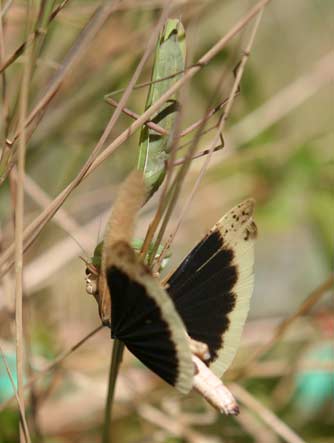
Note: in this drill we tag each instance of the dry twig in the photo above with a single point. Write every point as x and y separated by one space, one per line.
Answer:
54 364
303 309
266 415
286 100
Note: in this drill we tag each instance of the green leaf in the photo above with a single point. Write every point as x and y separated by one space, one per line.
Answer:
169 60
137 245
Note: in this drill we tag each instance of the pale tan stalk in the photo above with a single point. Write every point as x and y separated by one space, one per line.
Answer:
19 223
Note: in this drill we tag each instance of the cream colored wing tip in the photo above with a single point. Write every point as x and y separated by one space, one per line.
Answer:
247 205
246 208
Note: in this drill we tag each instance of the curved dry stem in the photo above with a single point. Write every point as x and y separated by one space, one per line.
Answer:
282 328
275 423
54 364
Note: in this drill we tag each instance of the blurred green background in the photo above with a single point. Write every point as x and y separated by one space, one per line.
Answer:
278 148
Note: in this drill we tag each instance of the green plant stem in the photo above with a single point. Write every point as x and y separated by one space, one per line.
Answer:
116 358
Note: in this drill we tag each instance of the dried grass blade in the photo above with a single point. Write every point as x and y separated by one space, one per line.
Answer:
266 415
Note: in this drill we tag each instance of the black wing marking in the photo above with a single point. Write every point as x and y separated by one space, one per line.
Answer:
145 319
204 298
211 289
199 255
137 321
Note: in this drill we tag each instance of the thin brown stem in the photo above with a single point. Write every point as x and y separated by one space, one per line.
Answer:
266 415
162 131
62 218
200 154
286 100
109 96
19 223
29 40
282 328
54 364
207 116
